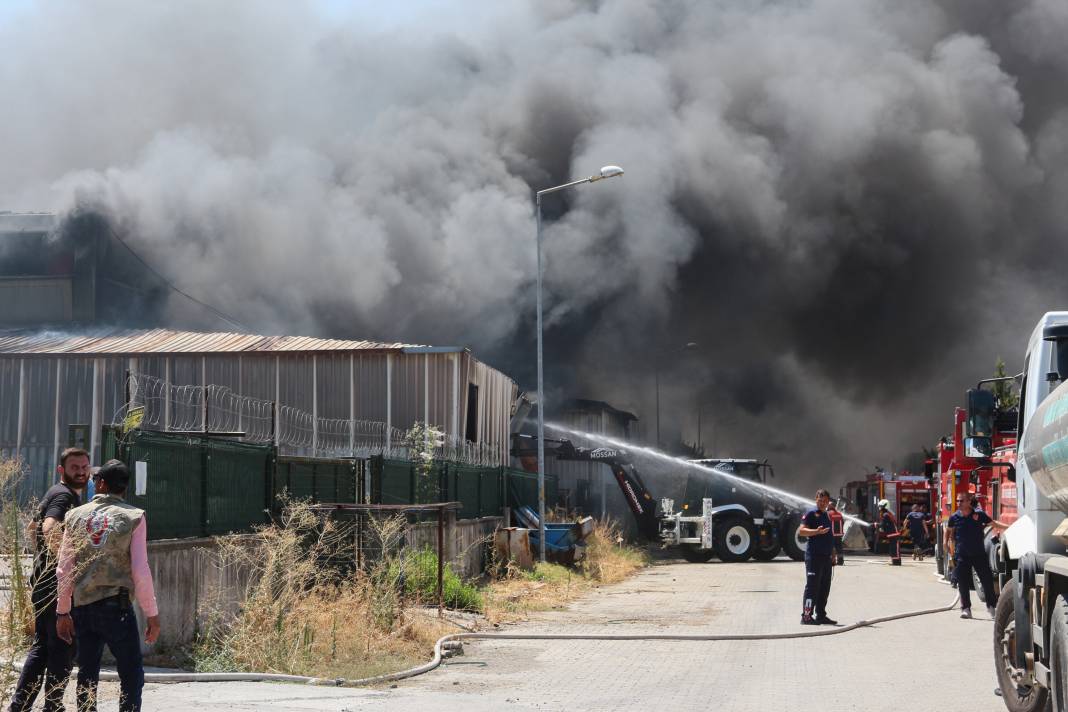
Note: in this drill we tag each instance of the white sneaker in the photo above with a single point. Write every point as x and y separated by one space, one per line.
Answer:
966 613
991 610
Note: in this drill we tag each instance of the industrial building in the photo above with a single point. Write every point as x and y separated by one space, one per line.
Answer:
589 487
311 396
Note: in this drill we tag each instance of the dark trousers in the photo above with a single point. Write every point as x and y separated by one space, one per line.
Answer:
838 549
111 622
817 586
965 564
49 660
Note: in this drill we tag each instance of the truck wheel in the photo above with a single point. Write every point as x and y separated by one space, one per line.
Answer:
735 540
1058 659
697 556
792 544
1017 697
766 552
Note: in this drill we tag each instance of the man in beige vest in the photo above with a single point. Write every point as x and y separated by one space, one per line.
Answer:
102 558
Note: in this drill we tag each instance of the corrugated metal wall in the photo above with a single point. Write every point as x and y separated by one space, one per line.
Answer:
590 486
394 387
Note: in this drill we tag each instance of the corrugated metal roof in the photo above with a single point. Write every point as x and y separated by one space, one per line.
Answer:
164 341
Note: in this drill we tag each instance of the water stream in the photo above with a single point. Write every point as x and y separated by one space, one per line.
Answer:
783 496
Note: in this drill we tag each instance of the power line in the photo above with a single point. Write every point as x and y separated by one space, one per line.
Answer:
228 319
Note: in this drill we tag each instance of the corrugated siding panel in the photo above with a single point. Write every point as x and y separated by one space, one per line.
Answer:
257 377
38 440
9 406
370 372
76 401
407 390
332 385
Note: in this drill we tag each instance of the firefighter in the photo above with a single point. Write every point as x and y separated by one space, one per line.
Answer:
819 557
916 520
888 531
102 559
966 529
837 530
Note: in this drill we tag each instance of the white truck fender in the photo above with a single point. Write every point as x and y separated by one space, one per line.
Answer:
1021 538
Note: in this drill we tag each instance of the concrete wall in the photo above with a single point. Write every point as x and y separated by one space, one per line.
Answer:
468 542
191 588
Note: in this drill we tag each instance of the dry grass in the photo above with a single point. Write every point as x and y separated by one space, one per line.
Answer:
517 593
16 632
308 611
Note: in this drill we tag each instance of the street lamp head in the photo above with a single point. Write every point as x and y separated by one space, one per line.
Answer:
606 172
690 346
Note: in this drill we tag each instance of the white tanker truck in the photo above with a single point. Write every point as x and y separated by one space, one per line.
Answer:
1031 559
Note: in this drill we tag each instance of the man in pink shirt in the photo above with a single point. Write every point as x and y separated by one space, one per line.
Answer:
103 556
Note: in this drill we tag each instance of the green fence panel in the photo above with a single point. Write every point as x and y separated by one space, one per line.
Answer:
173 499
237 497
522 488
326 477
396 482
109 444
467 490
491 497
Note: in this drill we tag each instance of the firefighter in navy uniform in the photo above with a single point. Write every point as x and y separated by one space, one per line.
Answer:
102 560
966 528
819 558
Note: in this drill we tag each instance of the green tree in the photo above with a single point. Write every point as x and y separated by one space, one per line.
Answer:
1006 393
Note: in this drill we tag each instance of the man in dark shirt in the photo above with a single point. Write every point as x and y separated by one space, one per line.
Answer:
917 524
967 530
819 557
49 658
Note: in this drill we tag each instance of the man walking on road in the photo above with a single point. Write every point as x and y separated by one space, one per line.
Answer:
967 528
49 658
917 524
103 557
819 553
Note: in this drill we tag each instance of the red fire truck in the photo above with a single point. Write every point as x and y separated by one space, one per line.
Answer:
983 474
901 490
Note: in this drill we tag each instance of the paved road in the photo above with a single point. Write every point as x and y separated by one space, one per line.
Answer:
872 669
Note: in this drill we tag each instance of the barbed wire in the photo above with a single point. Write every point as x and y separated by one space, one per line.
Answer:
217 409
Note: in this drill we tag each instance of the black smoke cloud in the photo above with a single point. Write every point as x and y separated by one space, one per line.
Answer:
852 206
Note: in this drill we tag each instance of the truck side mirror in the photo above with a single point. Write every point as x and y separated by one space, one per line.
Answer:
978 448
981 407
1058 334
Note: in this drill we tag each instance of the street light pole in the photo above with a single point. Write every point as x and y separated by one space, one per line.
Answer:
606 172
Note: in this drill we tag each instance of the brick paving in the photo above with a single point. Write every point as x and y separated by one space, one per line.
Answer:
935 662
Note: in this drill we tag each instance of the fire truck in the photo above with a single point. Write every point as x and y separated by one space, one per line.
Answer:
901 490
962 468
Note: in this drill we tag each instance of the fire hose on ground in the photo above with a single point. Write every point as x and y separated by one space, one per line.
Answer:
452 641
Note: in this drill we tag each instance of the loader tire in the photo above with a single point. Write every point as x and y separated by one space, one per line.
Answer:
735 539
1017 698
792 544
767 552
697 556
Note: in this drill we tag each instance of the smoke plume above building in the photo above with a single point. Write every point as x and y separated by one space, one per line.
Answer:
851 206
